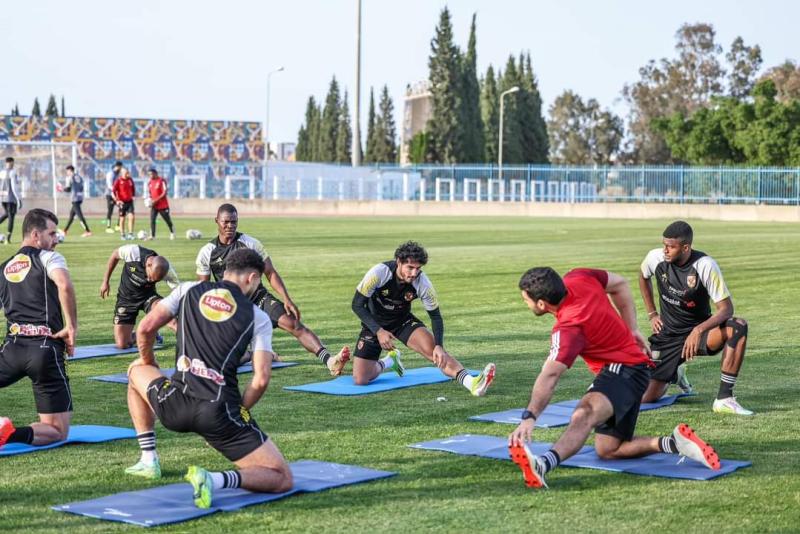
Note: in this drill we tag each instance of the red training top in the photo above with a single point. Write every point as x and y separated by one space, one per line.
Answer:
157 187
124 189
587 324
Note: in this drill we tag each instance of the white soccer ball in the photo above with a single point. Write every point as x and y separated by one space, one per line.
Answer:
148 202
60 236
141 234
194 234
2 238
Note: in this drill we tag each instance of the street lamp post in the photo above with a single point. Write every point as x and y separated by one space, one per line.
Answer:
500 142
266 124
355 155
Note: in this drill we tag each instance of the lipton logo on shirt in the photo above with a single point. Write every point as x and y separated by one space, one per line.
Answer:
18 268
217 305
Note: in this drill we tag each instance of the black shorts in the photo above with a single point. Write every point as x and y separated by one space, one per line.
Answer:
226 426
624 386
126 208
42 360
668 354
272 307
127 310
368 347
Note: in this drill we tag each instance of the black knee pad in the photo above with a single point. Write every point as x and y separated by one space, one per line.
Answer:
738 331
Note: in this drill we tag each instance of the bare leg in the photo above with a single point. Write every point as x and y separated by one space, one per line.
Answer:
264 470
732 356
422 341
139 379
304 335
365 371
123 336
51 427
593 409
655 390
611 448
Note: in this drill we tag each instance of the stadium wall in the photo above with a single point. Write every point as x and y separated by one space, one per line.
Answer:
201 207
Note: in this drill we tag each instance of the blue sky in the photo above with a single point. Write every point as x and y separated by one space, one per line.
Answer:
206 59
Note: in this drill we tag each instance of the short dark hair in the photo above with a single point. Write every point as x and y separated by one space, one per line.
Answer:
70 168
9 159
244 259
153 170
543 283
411 250
679 230
36 219
117 164
227 208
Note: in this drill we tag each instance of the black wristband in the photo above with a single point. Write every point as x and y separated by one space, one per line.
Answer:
527 414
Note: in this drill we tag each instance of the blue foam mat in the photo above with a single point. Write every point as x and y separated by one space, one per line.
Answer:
173 503
99 351
656 465
558 414
122 378
387 381
77 434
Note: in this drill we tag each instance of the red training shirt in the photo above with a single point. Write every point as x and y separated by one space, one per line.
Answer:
124 189
587 324
157 187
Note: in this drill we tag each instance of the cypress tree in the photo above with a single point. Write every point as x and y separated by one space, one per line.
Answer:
444 68
344 137
535 144
385 130
490 116
308 137
369 156
472 144
329 124
36 111
52 108
512 132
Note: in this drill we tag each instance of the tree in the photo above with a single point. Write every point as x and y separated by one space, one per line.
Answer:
786 78
385 146
344 137
745 62
52 107
15 111
329 124
418 148
62 106
532 124
443 64
489 115
308 137
581 133
369 155
471 143
36 111
512 131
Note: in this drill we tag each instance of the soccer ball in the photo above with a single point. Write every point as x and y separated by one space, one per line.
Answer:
148 202
141 234
60 236
193 234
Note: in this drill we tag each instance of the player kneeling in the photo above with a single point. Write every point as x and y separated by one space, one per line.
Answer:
217 324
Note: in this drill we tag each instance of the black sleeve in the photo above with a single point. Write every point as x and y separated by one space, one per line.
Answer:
362 311
437 324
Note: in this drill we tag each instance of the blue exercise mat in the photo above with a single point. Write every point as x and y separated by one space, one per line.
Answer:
122 378
99 351
656 465
558 414
77 434
173 503
387 381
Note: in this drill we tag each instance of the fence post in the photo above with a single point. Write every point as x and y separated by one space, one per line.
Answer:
528 186
682 177
275 186
405 186
641 185
299 185
319 187
379 184
758 189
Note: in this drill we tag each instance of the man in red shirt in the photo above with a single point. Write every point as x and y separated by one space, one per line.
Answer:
124 190
157 187
615 350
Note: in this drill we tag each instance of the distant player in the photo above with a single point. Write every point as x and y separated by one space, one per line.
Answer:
383 303
614 349
159 204
218 322
124 191
75 186
284 315
39 304
111 177
9 196
685 328
143 269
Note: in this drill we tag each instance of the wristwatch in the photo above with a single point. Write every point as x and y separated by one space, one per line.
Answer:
527 414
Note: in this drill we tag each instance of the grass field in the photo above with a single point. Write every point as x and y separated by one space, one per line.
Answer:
475 264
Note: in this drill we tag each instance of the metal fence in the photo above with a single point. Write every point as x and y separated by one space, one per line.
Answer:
40 164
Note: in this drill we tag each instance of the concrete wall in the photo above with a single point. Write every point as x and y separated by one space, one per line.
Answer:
720 212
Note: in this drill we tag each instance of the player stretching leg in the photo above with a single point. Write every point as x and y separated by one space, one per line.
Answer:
613 348
39 303
383 303
685 328
217 324
284 315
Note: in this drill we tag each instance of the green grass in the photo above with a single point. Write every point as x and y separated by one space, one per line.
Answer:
475 265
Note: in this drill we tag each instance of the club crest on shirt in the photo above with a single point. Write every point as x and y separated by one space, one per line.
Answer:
409 296
691 280
217 305
18 268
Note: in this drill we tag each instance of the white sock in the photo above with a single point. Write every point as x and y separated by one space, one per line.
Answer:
467 382
149 457
217 480
387 362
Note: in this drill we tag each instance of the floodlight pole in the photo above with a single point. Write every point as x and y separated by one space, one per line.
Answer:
500 141
356 146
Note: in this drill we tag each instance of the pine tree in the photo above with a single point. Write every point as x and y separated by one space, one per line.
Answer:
344 137
15 111
36 111
329 125
535 144
308 136
472 146
52 108
512 131
444 67
385 130
490 116
369 155
62 106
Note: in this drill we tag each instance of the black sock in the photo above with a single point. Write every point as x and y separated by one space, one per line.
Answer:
323 355
231 479
667 444
23 434
551 460
147 440
726 383
462 374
